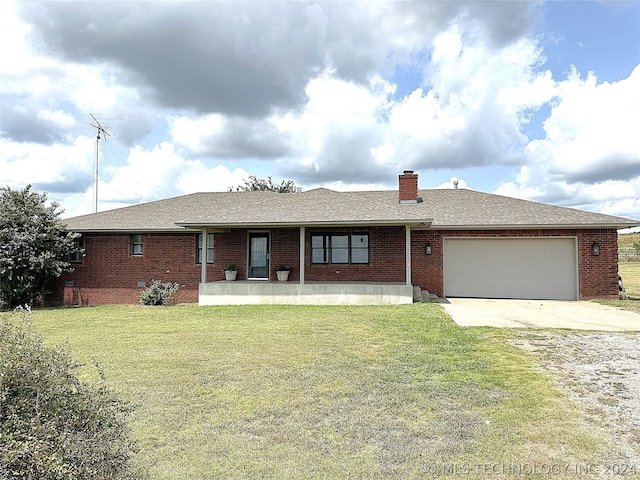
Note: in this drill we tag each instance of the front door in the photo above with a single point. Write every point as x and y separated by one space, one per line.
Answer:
259 255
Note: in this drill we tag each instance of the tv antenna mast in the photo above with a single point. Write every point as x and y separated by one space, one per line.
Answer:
100 129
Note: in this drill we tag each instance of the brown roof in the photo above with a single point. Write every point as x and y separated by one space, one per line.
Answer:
459 208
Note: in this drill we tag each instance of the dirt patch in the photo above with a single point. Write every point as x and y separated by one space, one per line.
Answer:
600 372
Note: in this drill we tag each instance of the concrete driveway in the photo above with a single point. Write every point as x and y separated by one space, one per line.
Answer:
472 312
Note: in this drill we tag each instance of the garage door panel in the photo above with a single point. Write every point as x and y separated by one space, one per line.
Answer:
535 268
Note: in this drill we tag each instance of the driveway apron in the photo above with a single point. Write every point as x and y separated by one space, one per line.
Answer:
474 312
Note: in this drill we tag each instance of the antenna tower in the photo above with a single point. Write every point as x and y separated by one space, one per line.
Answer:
100 129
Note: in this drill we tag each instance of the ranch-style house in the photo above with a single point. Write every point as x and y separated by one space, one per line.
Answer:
370 247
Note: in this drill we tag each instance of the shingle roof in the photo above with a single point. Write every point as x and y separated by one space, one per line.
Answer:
458 208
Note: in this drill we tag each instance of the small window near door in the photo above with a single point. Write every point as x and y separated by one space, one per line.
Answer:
76 255
136 244
209 248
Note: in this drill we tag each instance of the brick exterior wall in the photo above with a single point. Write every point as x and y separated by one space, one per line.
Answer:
110 274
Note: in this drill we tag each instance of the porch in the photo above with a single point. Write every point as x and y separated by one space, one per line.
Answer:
253 292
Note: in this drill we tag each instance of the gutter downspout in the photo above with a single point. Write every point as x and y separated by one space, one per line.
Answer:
407 253
302 230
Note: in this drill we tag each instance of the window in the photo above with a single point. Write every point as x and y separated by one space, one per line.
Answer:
76 255
136 244
209 248
360 248
340 248
319 249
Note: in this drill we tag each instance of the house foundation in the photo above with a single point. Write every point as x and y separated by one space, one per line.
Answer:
310 293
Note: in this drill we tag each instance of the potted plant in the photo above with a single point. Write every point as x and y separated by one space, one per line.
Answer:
282 271
230 271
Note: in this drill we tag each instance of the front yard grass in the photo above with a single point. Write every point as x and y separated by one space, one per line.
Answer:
324 392
630 273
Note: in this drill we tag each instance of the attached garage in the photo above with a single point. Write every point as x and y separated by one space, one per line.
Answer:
522 268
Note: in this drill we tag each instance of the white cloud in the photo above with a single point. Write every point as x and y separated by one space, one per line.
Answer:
65 167
477 105
454 182
146 175
340 126
14 56
592 123
590 156
223 137
192 133
199 178
305 91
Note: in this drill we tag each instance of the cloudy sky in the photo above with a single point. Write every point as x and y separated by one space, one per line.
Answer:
537 100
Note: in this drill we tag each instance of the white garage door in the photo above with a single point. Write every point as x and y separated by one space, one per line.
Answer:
527 268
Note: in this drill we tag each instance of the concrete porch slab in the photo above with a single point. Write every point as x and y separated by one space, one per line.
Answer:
310 293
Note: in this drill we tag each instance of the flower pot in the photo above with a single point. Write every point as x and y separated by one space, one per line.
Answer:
283 275
230 275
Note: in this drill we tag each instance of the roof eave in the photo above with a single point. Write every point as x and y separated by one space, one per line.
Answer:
580 226
131 230
361 223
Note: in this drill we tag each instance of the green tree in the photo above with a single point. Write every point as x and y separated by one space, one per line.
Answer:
253 184
52 425
33 245
636 246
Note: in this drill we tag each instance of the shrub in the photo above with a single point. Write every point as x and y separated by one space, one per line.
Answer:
34 245
158 293
52 425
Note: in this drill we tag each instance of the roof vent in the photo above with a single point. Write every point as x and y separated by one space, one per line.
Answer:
408 187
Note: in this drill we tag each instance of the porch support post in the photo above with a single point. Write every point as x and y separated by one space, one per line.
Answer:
203 257
407 250
302 255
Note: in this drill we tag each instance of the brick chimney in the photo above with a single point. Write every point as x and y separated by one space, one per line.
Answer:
408 187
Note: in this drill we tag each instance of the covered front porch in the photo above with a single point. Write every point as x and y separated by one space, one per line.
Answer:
313 282
250 292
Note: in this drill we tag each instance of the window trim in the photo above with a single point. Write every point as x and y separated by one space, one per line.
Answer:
209 248
76 256
135 243
352 247
327 248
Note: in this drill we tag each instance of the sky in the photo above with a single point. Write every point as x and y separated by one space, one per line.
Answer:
534 100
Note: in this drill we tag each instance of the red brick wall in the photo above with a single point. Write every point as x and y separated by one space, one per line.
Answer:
285 249
598 275
229 247
109 274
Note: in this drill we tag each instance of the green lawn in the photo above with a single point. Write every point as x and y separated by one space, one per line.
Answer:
630 273
323 392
